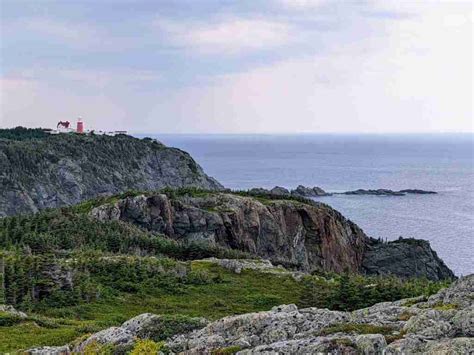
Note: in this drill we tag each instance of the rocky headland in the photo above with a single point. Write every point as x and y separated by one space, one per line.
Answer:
298 233
60 170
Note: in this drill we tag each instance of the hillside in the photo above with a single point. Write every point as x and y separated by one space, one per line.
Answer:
80 269
291 231
40 171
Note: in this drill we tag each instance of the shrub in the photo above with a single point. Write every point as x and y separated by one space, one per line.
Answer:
228 350
95 348
7 319
147 347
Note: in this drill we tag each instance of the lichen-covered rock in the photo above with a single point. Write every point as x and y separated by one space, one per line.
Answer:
143 326
115 336
432 328
50 350
260 265
12 311
444 329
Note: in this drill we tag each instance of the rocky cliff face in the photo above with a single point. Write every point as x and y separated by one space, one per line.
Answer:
311 237
60 170
406 258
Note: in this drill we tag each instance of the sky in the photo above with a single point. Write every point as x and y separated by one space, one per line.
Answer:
272 66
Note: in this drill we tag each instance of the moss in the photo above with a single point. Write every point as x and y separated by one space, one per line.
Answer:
413 301
357 328
228 350
95 348
445 306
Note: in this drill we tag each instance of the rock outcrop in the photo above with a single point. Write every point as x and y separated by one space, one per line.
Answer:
304 191
9 309
300 191
441 324
406 258
309 236
60 170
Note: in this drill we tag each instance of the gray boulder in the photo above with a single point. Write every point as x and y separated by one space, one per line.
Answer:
50 350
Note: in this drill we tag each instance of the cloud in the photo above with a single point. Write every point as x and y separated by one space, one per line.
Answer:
368 73
302 4
230 35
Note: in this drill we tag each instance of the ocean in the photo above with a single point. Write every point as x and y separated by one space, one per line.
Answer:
336 163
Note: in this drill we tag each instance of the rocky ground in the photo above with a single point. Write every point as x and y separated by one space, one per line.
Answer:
442 324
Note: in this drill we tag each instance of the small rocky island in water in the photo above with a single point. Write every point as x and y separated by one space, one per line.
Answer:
116 244
316 191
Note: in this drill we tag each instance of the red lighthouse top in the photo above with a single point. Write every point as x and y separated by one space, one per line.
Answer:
80 126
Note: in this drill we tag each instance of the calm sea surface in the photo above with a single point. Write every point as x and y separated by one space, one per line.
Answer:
444 163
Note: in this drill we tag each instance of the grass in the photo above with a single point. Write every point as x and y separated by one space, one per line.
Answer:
248 291
28 334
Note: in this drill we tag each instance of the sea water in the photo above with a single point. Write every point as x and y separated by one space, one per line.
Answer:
336 163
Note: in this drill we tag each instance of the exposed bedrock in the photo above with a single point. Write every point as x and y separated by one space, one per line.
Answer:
310 236
442 324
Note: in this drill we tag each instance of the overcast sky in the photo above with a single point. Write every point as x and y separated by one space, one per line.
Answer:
279 66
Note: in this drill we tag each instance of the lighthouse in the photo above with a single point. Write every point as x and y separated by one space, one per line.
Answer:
80 125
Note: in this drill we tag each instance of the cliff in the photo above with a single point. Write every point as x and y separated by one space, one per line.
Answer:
43 171
310 237
304 234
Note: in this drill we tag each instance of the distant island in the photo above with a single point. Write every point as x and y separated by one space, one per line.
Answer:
318 192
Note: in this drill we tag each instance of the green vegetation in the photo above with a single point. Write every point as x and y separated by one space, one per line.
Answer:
349 292
22 133
225 351
445 306
75 275
178 297
147 347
